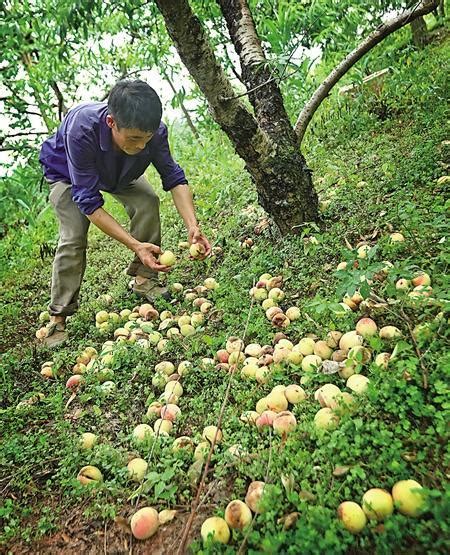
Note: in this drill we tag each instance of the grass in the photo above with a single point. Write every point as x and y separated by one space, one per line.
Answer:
379 176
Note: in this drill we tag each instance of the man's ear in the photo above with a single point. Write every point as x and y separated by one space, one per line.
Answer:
110 121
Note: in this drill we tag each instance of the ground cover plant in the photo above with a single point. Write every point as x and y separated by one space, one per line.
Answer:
314 420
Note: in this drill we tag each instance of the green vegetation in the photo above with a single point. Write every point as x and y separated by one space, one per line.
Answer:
377 159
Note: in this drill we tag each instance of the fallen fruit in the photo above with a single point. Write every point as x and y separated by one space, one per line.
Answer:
238 515
215 529
144 523
136 469
397 237
89 474
408 498
284 423
352 516
197 251
377 504
253 497
311 362
211 432
389 332
326 419
294 394
358 383
366 327
88 440
142 432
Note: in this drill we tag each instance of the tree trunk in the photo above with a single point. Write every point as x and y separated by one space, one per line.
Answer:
266 141
419 32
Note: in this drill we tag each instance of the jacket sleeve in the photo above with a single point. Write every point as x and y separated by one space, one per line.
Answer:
83 174
171 173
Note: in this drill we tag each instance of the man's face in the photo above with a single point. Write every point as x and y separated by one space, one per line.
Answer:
129 140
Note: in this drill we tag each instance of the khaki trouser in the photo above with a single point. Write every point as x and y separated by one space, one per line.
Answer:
142 206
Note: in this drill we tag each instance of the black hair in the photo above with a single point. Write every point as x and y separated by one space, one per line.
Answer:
135 105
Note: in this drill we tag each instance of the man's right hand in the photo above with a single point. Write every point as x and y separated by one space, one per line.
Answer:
148 254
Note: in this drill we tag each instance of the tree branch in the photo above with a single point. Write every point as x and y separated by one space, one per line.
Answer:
422 8
62 108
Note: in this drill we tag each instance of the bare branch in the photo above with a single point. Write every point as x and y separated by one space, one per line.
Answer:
422 8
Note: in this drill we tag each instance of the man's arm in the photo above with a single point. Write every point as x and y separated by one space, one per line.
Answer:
182 198
147 252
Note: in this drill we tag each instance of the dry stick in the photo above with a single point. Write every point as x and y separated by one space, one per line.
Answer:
416 348
105 551
195 503
266 478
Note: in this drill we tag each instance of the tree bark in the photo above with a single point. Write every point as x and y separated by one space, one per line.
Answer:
349 61
266 141
419 32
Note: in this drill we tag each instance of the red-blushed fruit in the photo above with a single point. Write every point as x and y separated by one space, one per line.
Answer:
222 355
421 279
408 497
352 516
253 497
280 320
238 515
74 381
170 412
144 523
215 529
284 423
266 419
366 327
377 504
89 475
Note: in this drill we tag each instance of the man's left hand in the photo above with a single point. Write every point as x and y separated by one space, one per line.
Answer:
196 236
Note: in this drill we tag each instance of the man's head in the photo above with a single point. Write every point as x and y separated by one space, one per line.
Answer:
134 115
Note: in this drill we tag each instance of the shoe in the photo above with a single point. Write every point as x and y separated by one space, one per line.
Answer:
56 335
150 290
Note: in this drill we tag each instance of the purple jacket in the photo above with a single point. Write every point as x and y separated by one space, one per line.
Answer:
81 153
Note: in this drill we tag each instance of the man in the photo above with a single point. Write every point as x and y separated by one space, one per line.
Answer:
107 147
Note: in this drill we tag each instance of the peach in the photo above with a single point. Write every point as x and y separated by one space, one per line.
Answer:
165 367
284 343
268 303
234 344
197 251
261 405
322 350
263 374
277 401
249 417
205 308
253 497
284 423
326 419
184 367
327 395
273 282
359 354
382 359
222 355
162 426
347 369
249 371
89 474
136 469
295 358
306 346
211 284
253 350
265 277
350 303
333 338
377 504
339 355
389 332
311 363
362 251
154 409
293 313
397 237
174 388
236 357
88 440
276 294
74 381
352 516
349 340
358 383
170 412
402 284
187 330
101 316
265 419
345 403
183 442
259 294
279 355
273 311
197 303
294 394
215 529
201 451
183 244
280 320
341 266
238 515
144 523
408 498
142 432
366 327
211 433
165 315
421 279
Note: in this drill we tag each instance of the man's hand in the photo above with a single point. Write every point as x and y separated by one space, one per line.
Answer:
196 236
148 254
